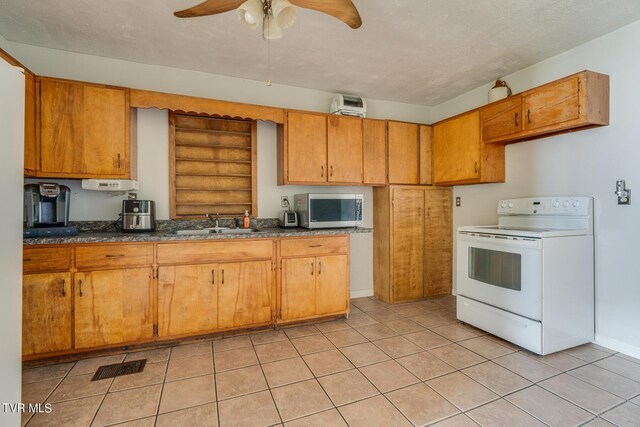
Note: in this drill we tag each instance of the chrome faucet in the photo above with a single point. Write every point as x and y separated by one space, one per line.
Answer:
217 220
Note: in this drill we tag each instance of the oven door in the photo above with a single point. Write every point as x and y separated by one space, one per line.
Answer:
501 271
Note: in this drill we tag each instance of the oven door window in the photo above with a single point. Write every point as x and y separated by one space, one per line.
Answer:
501 269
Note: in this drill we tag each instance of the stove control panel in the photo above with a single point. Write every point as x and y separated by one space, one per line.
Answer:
572 206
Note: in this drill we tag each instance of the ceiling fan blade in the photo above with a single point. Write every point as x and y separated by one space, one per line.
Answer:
344 10
209 7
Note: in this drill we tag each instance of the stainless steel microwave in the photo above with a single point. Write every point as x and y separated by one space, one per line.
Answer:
328 210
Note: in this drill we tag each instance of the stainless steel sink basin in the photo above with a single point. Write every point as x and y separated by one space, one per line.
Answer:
217 230
239 231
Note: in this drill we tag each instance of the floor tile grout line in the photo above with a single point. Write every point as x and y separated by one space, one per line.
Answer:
163 384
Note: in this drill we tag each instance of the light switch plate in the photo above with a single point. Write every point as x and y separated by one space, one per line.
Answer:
458 201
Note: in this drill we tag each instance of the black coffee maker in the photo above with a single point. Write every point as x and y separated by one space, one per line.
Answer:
46 210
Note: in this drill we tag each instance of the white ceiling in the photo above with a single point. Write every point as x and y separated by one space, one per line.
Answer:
414 51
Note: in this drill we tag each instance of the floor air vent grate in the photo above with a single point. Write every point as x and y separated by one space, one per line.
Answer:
119 369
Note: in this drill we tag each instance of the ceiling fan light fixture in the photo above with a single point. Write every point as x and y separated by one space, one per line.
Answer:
250 13
270 28
283 12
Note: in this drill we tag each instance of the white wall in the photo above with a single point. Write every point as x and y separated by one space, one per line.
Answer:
582 163
11 165
153 136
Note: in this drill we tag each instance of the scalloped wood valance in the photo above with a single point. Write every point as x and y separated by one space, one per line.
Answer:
212 107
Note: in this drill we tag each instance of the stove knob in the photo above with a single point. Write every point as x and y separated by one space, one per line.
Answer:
566 204
576 203
511 205
556 204
503 204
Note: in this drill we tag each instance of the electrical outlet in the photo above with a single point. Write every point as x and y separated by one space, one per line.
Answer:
284 201
458 201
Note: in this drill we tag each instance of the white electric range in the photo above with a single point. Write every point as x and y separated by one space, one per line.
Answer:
530 279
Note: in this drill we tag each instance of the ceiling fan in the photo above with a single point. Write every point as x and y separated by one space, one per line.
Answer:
274 14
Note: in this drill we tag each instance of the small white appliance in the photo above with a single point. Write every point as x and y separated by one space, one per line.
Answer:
348 105
115 185
328 210
530 279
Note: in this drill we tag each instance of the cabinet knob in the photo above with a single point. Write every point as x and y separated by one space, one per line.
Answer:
529 116
475 167
223 276
319 267
80 287
515 120
62 283
322 171
118 160
331 170
312 268
213 277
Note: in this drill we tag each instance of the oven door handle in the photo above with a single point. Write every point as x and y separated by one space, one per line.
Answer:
500 241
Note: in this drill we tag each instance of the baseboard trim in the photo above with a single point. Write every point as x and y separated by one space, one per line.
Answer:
360 294
619 346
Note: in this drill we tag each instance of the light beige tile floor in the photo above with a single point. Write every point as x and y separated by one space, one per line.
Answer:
401 365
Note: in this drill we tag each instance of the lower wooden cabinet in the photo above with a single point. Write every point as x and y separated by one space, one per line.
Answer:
187 299
200 298
412 242
244 294
46 316
314 286
112 307
91 296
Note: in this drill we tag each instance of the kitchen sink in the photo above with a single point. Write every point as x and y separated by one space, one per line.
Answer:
217 230
238 231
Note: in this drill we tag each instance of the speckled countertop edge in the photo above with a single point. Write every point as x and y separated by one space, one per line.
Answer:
168 236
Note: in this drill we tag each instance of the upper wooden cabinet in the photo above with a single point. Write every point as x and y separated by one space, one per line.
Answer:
460 157
404 154
501 119
579 101
326 149
344 149
374 155
303 157
83 130
409 153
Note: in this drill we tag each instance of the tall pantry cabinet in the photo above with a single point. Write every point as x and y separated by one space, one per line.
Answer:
412 242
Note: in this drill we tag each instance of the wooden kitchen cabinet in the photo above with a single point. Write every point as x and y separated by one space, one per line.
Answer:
460 156
403 153
83 130
303 158
47 310
578 101
344 149
502 118
187 299
314 278
244 294
113 307
374 145
412 242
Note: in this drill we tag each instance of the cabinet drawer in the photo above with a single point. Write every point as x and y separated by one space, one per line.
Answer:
314 246
113 256
234 250
37 260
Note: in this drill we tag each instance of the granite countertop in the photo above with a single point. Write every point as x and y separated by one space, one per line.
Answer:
169 235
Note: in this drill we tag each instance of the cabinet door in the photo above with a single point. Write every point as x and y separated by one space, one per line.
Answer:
408 243
426 142
83 130
306 147
113 306
30 163
344 145
187 299
46 313
332 284
502 119
438 242
244 293
374 140
552 104
298 294
404 153
456 149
